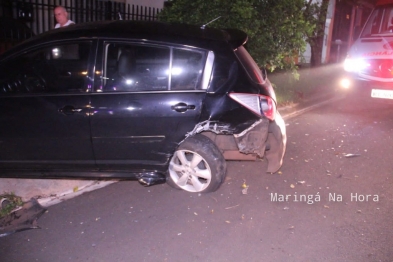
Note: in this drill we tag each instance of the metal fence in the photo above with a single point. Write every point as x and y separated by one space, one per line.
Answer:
20 19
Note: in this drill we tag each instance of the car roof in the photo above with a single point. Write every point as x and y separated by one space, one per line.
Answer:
177 33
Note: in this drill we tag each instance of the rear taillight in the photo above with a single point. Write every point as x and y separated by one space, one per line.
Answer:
258 104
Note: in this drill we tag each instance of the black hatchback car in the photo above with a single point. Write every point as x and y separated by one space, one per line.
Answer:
149 101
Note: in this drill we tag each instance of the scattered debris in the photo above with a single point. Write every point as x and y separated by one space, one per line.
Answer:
301 182
292 186
232 207
244 184
244 190
351 155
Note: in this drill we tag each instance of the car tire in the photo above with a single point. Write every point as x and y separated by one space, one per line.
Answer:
197 166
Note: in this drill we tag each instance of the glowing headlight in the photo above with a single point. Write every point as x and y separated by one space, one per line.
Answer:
355 65
345 83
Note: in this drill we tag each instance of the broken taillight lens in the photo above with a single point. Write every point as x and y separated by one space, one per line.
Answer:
258 104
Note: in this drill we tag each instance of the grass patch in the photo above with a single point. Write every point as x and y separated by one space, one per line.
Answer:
291 89
9 202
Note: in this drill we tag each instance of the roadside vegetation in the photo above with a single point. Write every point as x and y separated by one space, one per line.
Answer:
309 81
8 203
278 32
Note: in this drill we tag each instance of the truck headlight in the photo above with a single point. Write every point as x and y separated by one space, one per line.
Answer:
355 65
345 83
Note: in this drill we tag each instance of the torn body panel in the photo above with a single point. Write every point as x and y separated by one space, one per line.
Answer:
253 139
261 138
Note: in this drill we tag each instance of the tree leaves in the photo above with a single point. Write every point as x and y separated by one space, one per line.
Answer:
277 30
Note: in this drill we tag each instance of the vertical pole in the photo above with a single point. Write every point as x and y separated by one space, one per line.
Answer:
330 32
350 35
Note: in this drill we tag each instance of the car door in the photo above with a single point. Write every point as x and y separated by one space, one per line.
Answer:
44 108
140 110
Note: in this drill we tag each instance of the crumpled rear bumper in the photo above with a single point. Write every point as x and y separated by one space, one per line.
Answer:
277 143
266 139
263 139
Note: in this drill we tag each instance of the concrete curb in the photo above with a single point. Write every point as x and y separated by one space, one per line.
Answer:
298 110
71 193
49 191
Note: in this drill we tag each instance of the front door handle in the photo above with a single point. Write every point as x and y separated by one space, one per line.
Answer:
182 107
70 110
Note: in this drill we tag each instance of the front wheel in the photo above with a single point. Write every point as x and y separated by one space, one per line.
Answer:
197 166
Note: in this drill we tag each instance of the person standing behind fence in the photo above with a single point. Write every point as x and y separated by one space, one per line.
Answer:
61 16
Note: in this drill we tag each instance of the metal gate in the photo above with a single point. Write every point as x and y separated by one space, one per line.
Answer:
37 16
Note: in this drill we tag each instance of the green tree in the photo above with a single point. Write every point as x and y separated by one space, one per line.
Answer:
277 30
282 31
315 13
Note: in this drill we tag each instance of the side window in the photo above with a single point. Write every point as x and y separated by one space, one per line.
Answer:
187 69
373 23
132 67
60 68
388 21
135 68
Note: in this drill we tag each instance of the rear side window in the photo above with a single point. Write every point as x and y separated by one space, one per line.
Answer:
133 67
187 70
57 68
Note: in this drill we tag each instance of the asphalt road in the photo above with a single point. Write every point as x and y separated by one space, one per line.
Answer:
332 201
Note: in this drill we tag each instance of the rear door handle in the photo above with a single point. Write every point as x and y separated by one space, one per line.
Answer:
70 110
182 107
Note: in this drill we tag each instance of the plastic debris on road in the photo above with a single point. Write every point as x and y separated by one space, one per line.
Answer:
351 155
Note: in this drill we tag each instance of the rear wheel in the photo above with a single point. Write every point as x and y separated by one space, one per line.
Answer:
197 166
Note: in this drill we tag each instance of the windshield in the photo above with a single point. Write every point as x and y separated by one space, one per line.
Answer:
380 22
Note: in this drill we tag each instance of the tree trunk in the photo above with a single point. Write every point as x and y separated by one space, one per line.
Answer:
316 51
316 42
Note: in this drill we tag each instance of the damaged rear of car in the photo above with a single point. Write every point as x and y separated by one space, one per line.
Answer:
239 114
